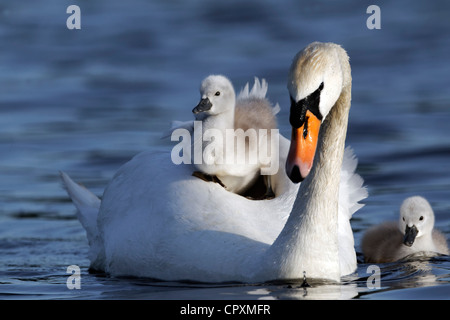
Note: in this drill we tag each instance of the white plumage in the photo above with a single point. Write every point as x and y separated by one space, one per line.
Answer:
157 220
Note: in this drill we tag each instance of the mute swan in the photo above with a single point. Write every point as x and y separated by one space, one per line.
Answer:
220 110
156 220
392 241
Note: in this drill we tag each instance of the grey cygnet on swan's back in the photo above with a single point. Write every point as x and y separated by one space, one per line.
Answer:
392 241
220 110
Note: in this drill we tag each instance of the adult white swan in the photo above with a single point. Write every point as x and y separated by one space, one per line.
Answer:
156 220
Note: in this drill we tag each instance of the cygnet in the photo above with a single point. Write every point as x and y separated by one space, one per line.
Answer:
392 241
220 110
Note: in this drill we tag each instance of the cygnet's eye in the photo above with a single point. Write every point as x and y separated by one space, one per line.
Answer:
421 218
403 218
217 93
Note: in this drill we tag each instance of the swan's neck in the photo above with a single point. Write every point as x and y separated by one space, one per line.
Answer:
309 241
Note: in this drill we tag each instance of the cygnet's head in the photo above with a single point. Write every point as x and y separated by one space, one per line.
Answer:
416 219
217 96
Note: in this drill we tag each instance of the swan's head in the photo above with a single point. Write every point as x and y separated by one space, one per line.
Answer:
217 96
416 219
316 78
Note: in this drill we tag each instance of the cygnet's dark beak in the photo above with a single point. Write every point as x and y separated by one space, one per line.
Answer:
204 105
410 235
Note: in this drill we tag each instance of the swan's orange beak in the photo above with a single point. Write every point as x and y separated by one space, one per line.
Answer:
303 148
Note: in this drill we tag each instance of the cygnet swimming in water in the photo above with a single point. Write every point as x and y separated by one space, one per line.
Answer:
220 110
392 241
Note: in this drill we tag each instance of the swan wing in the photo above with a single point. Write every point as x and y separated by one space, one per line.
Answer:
351 192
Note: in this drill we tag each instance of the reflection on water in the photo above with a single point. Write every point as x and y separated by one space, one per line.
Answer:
86 101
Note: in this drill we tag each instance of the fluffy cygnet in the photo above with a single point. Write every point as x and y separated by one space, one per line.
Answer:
392 241
220 109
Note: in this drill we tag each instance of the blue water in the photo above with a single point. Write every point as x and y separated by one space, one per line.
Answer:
86 101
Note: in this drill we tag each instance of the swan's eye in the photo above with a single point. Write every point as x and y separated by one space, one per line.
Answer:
297 116
403 218
217 93
421 218
305 128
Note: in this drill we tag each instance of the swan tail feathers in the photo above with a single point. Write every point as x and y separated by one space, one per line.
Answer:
87 203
